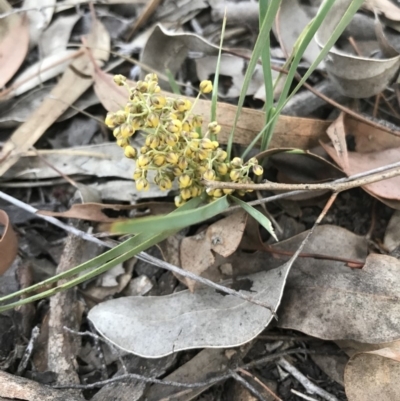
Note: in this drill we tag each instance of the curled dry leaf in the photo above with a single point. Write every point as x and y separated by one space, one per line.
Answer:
374 375
355 76
222 237
373 149
384 7
14 41
8 243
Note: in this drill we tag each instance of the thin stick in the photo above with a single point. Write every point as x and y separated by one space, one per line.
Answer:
306 383
342 184
28 351
301 395
263 385
247 385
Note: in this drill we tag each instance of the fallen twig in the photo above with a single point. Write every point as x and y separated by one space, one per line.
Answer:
306 383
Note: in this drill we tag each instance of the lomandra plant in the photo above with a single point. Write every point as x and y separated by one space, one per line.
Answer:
179 149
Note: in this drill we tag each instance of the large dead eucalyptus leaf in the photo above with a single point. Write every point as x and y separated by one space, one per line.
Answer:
14 40
70 87
8 243
354 76
302 133
327 300
374 375
158 326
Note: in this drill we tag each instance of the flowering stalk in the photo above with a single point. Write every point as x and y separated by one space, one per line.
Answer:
174 146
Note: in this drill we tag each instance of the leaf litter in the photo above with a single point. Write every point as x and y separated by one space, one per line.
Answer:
342 286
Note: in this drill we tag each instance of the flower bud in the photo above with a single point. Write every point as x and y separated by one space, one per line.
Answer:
142 86
234 175
179 201
122 142
185 181
165 183
137 174
158 101
152 120
237 162
205 86
206 143
172 158
214 127
126 130
197 121
222 169
158 160
151 77
221 155
182 163
209 175
174 126
218 193
110 120
119 79
130 152
186 194
142 184
227 191
143 161
258 170
171 139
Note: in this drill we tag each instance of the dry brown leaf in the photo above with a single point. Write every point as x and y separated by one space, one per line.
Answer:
68 90
337 134
327 300
14 41
385 7
374 375
301 133
98 211
8 243
223 237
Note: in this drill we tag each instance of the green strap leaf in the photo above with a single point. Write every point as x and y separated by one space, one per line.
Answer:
174 222
263 220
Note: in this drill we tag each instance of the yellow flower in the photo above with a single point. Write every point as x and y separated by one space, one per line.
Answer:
144 150
151 77
172 158
177 171
152 120
171 139
218 193
130 152
165 183
186 194
237 162
221 155
110 120
209 175
222 169
197 121
214 127
143 161
159 160
174 126
142 184
152 141
186 126
206 86
227 191
179 104
185 181
158 101
234 175
122 142
126 130
142 86
182 163
137 174
119 79
258 170
179 201
117 132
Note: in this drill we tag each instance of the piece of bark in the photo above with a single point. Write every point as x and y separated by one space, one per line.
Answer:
15 387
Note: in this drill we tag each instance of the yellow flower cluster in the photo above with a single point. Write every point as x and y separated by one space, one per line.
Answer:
174 145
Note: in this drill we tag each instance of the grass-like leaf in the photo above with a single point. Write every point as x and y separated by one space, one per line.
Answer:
263 220
170 222
172 82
